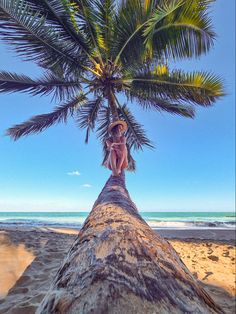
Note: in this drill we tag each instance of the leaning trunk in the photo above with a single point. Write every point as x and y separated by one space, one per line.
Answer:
118 264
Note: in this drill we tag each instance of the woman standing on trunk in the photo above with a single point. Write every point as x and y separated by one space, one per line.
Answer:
116 145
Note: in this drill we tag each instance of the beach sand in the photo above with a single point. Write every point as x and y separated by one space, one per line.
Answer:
29 259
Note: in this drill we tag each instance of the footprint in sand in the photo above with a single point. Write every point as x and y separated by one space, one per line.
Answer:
226 254
213 258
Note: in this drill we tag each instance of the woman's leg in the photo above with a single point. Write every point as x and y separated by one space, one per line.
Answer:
121 161
113 162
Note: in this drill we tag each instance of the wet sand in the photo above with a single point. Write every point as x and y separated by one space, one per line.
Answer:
30 258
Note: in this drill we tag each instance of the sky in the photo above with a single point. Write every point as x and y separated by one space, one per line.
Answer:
191 169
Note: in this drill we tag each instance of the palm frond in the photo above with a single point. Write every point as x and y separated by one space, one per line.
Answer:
135 134
131 162
104 120
128 46
28 33
59 15
105 15
12 82
160 104
87 115
162 11
88 25
41 122
179 29
148 30
200 88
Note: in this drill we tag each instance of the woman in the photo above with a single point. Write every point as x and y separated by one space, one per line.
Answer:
116 145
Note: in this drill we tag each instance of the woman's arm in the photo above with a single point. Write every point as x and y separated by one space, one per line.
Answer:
122 141
109 143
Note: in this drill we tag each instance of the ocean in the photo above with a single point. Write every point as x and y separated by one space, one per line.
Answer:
157 220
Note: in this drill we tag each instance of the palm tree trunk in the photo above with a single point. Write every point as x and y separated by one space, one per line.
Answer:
112 105
118 264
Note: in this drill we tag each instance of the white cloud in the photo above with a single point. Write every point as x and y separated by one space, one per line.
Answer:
74 173
86 185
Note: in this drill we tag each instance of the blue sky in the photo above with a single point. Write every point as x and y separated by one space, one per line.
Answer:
191 169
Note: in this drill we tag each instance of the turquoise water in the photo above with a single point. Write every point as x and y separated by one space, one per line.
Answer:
185 220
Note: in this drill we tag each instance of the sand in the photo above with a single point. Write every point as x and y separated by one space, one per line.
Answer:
29 259
213 264
14 258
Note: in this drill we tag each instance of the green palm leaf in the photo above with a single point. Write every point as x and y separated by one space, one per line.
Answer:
11 82
87 115
131 162
58 15
160 104
89 26
104 119
149 30
31 38
41 122
200 88
179 29
128 44
105 15
135 134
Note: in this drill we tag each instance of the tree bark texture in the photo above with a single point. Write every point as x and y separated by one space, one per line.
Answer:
118 264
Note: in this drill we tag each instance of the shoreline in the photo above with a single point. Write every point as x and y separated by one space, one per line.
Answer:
30 258
227 235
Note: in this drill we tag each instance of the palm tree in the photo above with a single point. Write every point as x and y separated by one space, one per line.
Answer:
92 53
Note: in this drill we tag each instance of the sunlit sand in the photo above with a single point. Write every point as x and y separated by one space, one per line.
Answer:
14 259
